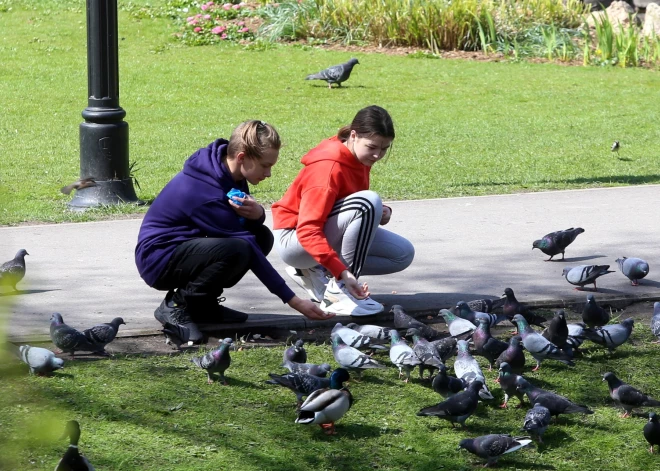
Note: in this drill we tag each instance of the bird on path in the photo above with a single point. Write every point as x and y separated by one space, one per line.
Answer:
457 408
177 335
557 330
538 346
652 431
404 322
296 352
467 368
446 385
633 268
585 275
655 321
426 352
307 368
326 406
216 361
102 334
41 361
486 345
68 339
491 447
556 242
402 355
555 403
593 315
13 271
351 358
537 420
78 185
508 381
72 459
514 355
335 74
627 396
612 335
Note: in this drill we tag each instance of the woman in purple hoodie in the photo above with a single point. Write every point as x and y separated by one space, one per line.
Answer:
195 241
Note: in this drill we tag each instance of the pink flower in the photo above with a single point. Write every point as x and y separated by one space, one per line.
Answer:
198 15
197 30
244 30
236 7
205 7
217 30
190 18
207 17
224 36
227 6
193 22
240 23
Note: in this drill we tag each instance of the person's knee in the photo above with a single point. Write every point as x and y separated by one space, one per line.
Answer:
241 253
265 239
372 197
404 254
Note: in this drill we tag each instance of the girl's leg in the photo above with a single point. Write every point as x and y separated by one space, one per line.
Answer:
389 253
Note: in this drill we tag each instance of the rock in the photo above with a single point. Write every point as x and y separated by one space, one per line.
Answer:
644 3
618 14
652 20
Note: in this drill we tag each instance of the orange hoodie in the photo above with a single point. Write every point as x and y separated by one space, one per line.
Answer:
331 173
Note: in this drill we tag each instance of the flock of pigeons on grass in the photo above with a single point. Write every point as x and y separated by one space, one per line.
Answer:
353 347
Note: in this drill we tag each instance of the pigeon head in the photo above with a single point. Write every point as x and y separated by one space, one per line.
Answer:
466 444
117 321
339 376
561 314
519 319
447 315
352 325
537 244
57 318
325 367
505 367
56 363
475 386
462 305
515 340
336 340
630 322
299 344
566 270
653 417
396 308
21 253
610 377
412 332
226 341
522 384
353 61
442 369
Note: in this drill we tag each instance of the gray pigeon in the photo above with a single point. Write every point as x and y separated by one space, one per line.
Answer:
296 352
491 447
537 421
177 335
300 383
513 355
585 274
351 358
467 368
335 74
355 339
102 334
508 381
463 310
652 431
627 396
373 331
555 403
538 346
486 305
69 339
634 268
486 345
593 315
404 322
446 385
13 271
402 355
41 361
655 321
556 242
216 361
426 352
457 325
456 408
611 335
307 368
557 330
72 459
446 347
575 337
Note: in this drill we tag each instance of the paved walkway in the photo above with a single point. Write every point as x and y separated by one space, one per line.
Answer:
466 248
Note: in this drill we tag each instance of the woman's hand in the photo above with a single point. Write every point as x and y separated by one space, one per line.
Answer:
387 214
357 291
309 309
250 208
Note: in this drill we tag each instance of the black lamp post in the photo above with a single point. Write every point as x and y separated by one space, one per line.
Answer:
104 134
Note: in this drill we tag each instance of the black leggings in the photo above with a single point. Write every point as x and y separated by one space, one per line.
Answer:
200 269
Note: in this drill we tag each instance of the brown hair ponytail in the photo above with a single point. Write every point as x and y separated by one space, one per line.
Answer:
370 121
253 137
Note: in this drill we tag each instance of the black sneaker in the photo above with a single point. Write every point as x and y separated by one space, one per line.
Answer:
216 313
169 311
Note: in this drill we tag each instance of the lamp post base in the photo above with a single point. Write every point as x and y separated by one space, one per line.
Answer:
105 193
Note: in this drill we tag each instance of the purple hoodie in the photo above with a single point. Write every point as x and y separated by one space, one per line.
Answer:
193 205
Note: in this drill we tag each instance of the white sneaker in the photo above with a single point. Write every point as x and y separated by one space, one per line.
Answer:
313 280
338 300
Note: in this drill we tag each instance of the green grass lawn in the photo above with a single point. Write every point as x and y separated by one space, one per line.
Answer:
463 128
154 413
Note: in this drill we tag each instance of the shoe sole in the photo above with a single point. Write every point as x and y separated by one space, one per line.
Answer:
291 271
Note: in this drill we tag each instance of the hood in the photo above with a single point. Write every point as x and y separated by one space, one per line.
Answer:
333 150
206 165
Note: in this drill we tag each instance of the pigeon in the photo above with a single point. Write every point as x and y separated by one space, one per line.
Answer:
491 447
216 361
555 243
41 361
611 335
555 403
557 330
593 315
102 334
585 275
446 385
575 337
72 459
307 368
509 383
634 268
467 368
512 307
404 321
13 271
296 352
326 406
538 346
301 384
69 339
655 321
537 420
486 305
463 310
402 355
78 185
351 358
355 339
446 347
616 146
373 331
335 74
456 408
426 352
513 355
177 335
627 396
652 431
457 325
486 345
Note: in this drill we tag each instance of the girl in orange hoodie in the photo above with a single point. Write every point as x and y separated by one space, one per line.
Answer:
326 225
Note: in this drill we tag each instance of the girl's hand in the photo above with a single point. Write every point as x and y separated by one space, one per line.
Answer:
357 291
309 309
250 209
387 214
